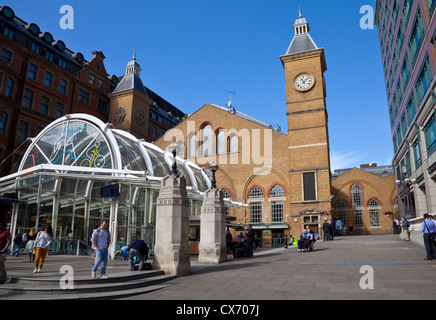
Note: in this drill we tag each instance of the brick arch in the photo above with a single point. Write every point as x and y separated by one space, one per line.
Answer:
251 187
376 198
348 203
272 186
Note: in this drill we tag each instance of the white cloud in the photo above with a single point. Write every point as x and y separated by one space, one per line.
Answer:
345 160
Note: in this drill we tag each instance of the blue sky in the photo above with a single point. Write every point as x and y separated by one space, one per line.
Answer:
192 51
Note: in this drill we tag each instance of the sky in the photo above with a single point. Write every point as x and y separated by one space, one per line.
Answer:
193 52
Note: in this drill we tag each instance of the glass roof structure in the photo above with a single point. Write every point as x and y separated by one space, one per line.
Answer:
65 168
82 144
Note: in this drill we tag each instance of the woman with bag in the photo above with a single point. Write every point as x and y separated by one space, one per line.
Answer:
29 245
41 246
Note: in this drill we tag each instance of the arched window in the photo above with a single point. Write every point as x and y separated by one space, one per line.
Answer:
220 143
374 212
277 191
206 135
192 147
233 143
255 193
181 151
373 203
357 195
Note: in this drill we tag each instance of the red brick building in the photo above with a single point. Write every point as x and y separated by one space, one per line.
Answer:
40 81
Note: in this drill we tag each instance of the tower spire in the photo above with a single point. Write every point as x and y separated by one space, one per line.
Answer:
133 66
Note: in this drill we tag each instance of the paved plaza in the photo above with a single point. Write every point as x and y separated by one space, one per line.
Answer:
332 271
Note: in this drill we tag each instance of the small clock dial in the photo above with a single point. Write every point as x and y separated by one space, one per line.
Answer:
304 82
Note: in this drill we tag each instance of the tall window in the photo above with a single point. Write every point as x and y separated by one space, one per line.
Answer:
23 131
192 147
309 186
256 206
9 88
374 212
63 86
6 55
59 111
358 218
32 71
233 144
3 123
44 106
430 135
417 154
357 195
220 143
416 38
256 212
206 135
48 79
84 97
423 81
27 100
277 205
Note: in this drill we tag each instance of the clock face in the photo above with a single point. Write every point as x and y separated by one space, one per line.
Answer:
304 82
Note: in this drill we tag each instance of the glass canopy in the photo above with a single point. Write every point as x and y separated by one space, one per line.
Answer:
62 174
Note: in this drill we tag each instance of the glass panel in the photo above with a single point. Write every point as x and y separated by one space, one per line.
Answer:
72 143
199 178
130 155
160 167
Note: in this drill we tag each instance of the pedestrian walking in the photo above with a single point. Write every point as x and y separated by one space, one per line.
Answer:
405 229
101 239
18 240
31 237
428 227
41 246
5 241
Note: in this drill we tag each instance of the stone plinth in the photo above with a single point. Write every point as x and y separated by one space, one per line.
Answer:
171 253
212 228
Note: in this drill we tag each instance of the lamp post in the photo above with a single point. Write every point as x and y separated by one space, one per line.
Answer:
406 183
174 147
214 168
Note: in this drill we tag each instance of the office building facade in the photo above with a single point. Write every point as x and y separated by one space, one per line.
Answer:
406 31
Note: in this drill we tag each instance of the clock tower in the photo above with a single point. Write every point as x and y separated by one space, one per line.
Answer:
308 141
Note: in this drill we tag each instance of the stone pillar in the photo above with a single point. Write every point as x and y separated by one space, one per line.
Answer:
212 228
171 253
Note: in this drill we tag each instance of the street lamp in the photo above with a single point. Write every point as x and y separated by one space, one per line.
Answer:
214 168
406 183
174 147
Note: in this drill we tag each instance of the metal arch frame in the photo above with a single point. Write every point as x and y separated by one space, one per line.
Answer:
97 123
